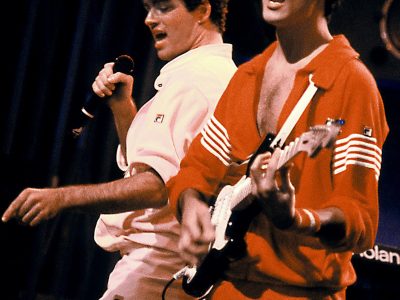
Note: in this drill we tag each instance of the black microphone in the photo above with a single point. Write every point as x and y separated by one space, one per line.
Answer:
124 64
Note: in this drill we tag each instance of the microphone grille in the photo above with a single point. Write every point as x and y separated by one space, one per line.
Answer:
124 64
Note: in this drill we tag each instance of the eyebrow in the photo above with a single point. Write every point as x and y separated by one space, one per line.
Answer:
153 2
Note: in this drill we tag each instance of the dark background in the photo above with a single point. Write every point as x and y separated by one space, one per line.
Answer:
52 51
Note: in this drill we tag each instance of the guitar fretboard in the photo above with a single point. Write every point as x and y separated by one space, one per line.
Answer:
243 188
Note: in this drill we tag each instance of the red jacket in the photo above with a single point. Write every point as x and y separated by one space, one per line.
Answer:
345 177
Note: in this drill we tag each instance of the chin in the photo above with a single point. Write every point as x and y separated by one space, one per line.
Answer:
168 55
271 17
164 58
165 55
275 20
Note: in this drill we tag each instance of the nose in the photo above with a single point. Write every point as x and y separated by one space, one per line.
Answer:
151 20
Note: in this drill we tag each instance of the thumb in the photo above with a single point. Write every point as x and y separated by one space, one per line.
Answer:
286 184
120 78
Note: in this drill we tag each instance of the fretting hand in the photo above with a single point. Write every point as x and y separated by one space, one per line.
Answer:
276 199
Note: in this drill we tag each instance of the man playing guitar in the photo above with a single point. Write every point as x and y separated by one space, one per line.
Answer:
314 218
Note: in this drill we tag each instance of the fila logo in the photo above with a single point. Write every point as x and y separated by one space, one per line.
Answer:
159 118
367 131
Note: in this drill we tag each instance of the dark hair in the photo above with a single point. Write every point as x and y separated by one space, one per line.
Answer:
330 6
219 9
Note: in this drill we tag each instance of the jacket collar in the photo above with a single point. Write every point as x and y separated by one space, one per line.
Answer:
192 56
325 67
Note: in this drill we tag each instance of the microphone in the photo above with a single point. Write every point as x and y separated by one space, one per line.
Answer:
124 64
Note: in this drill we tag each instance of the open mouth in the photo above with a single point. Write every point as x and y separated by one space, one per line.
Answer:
159 36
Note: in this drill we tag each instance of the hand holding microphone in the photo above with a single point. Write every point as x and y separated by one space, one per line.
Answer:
123 64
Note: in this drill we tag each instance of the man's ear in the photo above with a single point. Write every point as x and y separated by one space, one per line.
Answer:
204 11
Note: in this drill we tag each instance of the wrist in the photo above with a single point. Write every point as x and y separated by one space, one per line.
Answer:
63 198
121 104
189 197
182 200
306 221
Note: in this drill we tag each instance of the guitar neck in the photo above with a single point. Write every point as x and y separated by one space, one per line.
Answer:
241 190
289 152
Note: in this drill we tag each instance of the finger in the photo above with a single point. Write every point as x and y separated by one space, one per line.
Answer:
207 234
185 238
26 206
188 237
120 77
10 212
13 209
196 239
106 71
97 90
256 163
109 65
261 160
268 183
286 184
274 161
105 86
265 159
31 214
196 221
106 81
37 219
186 249
191 230
259 166
101 86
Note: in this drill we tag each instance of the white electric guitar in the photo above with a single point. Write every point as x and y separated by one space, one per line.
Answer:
231 225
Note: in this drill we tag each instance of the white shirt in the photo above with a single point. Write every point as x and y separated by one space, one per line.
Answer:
188 89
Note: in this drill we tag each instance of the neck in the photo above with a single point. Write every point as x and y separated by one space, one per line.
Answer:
302 40
207 33
213 37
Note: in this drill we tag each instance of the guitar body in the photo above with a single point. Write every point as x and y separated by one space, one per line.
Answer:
214 265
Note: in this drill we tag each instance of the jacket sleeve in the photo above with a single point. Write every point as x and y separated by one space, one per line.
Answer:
357 158
209 156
